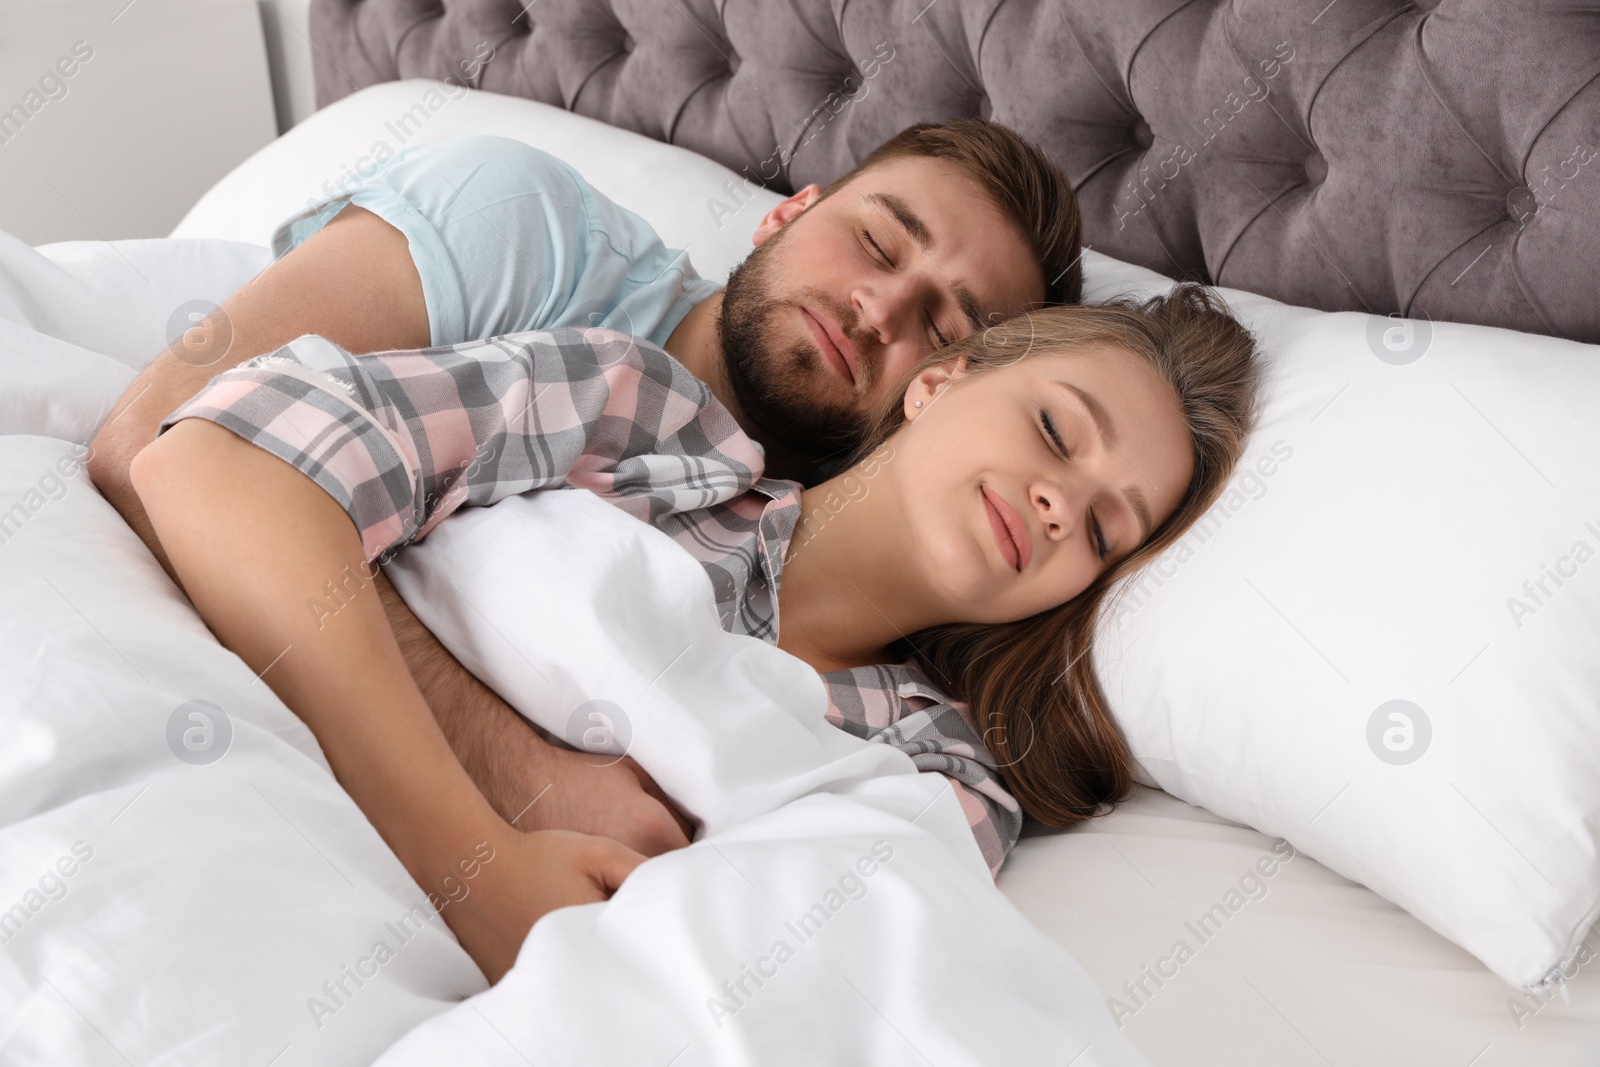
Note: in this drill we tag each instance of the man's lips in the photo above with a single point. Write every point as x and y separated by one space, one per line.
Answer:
832 342
1009 532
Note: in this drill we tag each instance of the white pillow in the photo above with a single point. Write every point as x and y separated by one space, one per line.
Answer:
1409 489
695 204
175 889
79 318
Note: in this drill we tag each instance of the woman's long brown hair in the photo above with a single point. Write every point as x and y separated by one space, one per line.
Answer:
1031 684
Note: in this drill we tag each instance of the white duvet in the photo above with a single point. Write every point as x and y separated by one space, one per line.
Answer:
182 881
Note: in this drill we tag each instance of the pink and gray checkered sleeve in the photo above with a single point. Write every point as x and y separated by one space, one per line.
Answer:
402 439
896 705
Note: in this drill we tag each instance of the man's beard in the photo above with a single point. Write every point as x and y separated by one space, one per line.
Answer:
773 385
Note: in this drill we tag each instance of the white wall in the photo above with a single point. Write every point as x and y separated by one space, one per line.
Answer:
164 98
288 31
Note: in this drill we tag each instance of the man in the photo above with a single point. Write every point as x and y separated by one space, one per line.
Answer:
941 231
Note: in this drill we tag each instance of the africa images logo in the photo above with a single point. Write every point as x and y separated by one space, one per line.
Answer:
1398 341
199 732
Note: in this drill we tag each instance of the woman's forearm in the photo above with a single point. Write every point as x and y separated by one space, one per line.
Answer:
253 541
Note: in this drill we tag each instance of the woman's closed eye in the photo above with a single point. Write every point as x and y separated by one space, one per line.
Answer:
1053 434
1097 535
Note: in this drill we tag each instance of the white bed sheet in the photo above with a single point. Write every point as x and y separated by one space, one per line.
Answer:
1318 971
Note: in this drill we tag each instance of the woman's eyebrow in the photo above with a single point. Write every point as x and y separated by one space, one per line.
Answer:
1102 418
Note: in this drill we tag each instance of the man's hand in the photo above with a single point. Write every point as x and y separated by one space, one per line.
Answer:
594 795
533 784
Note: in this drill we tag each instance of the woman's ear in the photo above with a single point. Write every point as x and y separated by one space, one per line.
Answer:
930 383
784 212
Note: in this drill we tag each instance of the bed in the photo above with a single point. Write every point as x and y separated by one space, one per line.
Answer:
1311 968
1339 974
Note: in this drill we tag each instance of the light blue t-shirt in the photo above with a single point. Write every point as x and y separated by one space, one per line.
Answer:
508 238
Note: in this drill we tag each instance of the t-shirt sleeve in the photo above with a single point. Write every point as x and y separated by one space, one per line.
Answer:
507 238
401 440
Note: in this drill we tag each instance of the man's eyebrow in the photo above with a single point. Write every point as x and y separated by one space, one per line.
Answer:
969 306
909 221
1108 434
901 212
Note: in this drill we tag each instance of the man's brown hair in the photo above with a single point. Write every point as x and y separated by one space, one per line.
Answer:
1028 189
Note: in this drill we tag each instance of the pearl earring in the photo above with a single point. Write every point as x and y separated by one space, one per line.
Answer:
919 403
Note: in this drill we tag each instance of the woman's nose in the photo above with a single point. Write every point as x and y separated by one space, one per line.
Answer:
1050 504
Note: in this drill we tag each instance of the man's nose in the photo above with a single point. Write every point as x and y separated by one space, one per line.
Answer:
888 305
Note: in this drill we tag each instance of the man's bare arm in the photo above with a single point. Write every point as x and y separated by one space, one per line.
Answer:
488 749
531 783
353 282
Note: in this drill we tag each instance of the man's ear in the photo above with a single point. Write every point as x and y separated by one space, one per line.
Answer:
785 211
930 383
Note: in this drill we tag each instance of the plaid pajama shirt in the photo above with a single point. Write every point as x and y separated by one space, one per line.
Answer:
402 439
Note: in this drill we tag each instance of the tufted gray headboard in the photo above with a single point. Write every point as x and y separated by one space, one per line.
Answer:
1440 160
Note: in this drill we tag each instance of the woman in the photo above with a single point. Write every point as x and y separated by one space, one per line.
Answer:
1018 474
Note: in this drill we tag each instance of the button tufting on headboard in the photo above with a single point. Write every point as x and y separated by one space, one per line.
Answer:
1521 204
1316 168
1349 156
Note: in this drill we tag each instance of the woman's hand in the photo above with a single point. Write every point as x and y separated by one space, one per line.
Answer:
529 876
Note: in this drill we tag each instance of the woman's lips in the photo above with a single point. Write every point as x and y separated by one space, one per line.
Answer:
1015 544
835 347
